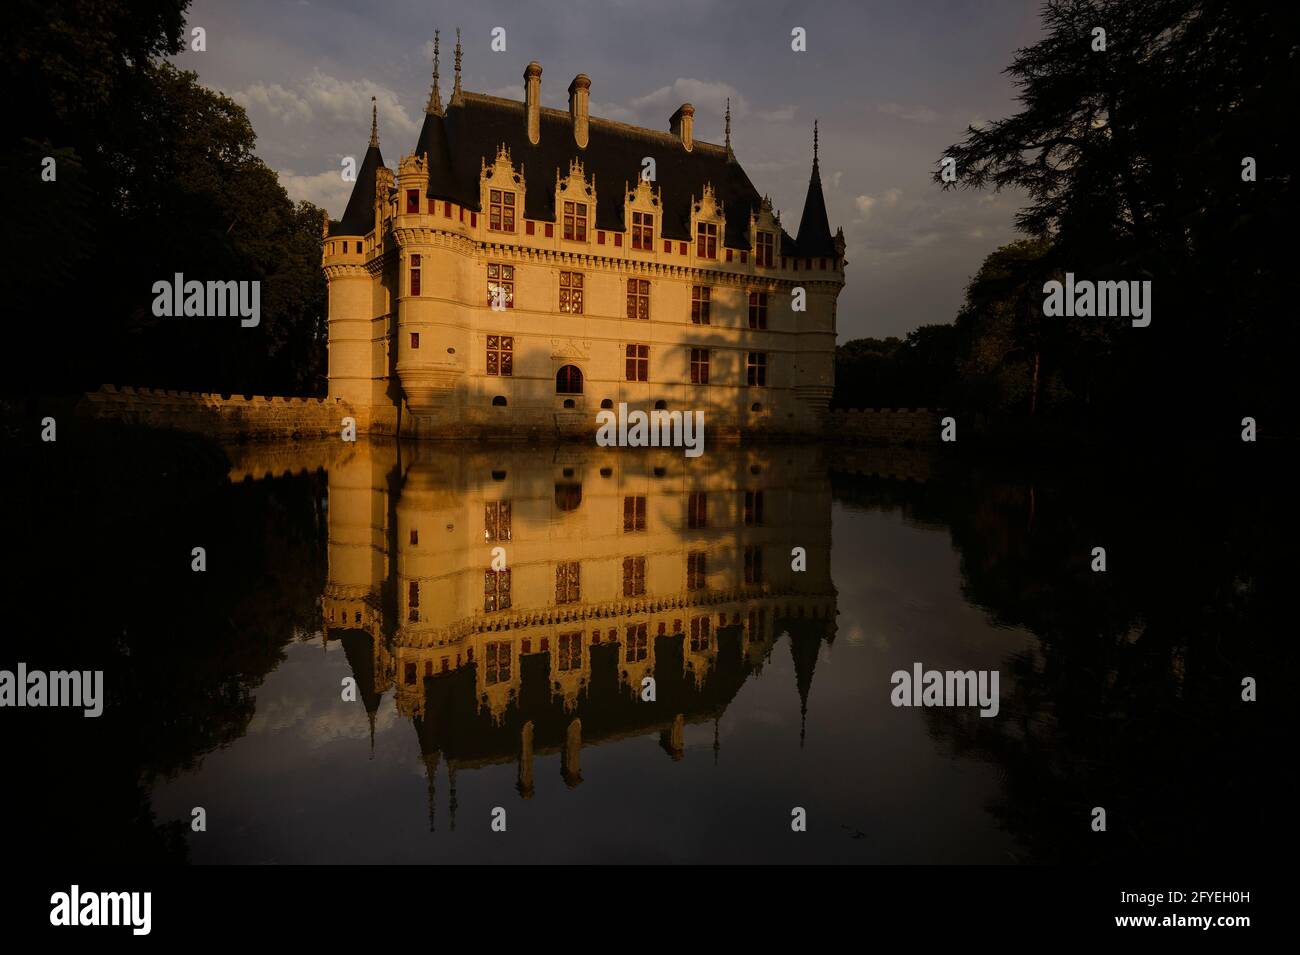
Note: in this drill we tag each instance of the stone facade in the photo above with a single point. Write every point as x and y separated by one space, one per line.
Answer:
496 284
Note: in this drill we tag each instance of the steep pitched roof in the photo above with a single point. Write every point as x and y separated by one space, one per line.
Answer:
814 226
471 131
359 216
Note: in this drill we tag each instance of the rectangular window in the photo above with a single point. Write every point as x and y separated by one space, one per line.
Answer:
500 286
570 651
415 275
568 582
501 210
446 209
501 355
575 221
638 642
415 536
700 629
496 521
643 230
756 368
706 240
758 310
412 200
765 254
530 227
699 366
497 662
638 362
550 230
697 509
753 564
496 590
668 245
754 508
695 571
415 339
638 298
700 295
633 576
413 601
633 513
571 292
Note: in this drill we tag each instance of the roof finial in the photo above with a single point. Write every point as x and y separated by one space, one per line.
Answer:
435 97
455 91
728 128
814 142
374 122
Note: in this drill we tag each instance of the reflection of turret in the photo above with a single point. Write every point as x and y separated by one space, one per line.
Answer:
533 595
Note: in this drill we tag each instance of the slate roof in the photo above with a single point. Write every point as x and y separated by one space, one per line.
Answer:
469 133
359 216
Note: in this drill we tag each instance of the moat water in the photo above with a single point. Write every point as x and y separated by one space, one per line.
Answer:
372 566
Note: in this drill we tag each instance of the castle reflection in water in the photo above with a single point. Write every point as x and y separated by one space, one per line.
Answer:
619 565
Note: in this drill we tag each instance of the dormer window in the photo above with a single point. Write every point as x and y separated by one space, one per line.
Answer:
501 210
575 221
643 230
706 240
765 252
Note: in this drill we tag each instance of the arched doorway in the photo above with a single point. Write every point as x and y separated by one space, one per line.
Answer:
568 380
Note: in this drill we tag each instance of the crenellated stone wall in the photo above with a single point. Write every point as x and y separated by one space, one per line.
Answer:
247 417
884 425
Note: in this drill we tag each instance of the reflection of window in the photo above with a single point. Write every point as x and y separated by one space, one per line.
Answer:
496 521
575 221
568 496
758 310
753 564
706 240
700 295
697 509
410 674
500 355
501 211
496 590
633 576
638 298
699 366
699 634
756 368
753 507
695 571
638 642
413 601
638 362
757 624
568 380
766 251
496 667
500 285
643 230
634 513
571 292
568 582
570 651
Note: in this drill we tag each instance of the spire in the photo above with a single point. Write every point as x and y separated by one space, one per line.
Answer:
456 98
435 97
814 238
730 154
374 122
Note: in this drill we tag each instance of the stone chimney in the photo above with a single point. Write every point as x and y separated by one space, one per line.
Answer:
579 96
533 100
682 125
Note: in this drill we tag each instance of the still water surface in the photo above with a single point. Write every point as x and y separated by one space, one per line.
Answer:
521 687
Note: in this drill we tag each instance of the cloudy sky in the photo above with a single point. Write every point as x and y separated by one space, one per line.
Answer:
893 83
